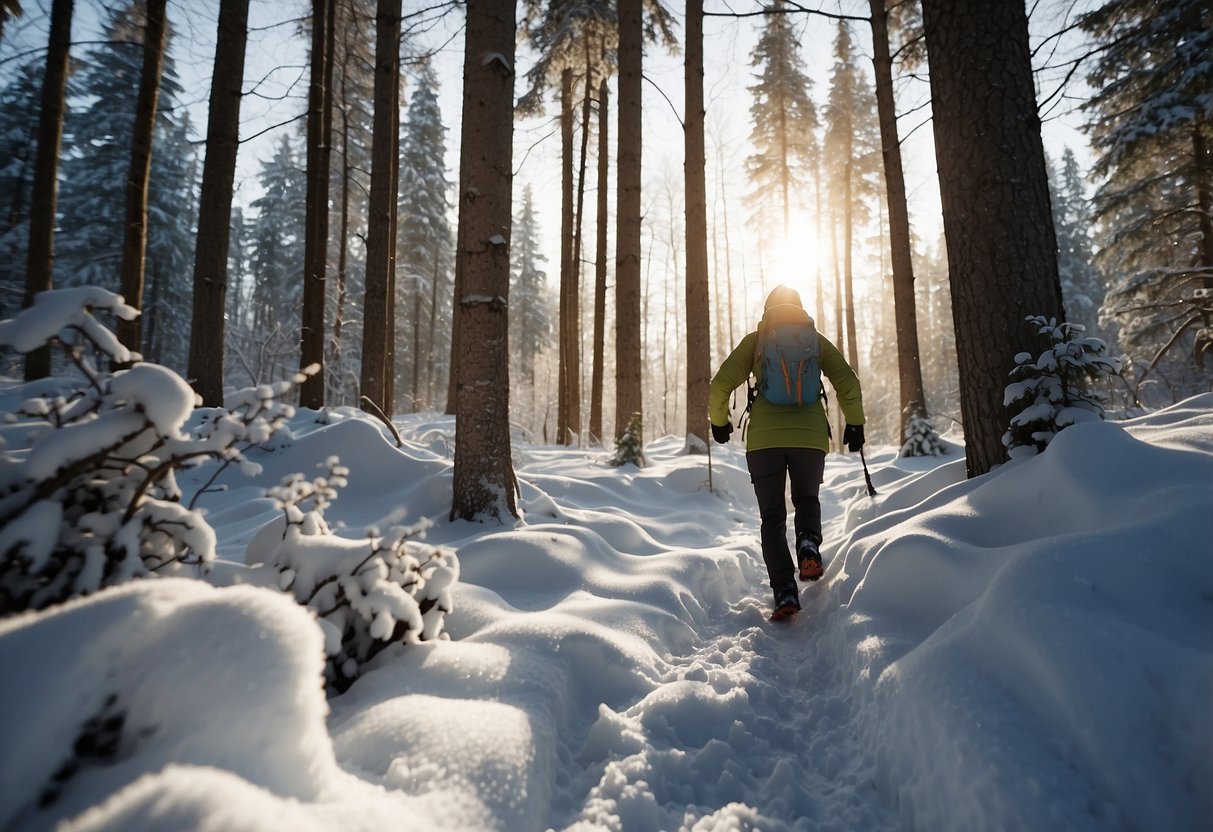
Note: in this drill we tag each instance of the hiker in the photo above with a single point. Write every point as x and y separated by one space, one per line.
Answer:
789 431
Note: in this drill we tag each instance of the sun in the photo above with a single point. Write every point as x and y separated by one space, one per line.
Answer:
795 261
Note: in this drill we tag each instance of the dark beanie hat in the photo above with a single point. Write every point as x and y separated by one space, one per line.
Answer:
783 294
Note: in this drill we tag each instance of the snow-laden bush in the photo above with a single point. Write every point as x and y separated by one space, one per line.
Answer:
92 501
921 438
629 447
366 594
1055 390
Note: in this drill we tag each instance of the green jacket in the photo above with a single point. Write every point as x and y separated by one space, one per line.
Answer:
788 425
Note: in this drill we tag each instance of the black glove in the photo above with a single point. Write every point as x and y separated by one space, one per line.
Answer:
721 432
852 437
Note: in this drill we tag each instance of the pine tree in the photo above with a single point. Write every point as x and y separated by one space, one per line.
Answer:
1056 389
424 249
97 151
1152 126
270 348
1081 288
40 251
19 102
352 123
530 319
852 158
95 171
483 480
1002 250
208 326
629 445
905 313
569 37
377 379
784 126
172 210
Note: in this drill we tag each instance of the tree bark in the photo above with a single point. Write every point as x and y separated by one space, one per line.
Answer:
909 367
484 483
600 267
380 244
316 222
215 204
41 252
134 236
628 374
698 315
1002 248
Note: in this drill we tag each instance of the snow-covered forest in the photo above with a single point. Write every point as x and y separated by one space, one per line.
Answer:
356 461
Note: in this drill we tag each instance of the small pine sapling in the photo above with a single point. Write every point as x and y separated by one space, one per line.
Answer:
91 498
1055 390
921 438
366 593
629 447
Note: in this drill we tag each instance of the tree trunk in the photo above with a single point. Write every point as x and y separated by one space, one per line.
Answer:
342 244
564 394
316 222
909 368
134 236
1002 249
484 483
628 374
377 334
433 330
41 252
600 268
848 242
698 314
575 265
215 204
415 381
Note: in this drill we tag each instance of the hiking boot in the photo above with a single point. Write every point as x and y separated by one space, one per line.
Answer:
787 603
809 558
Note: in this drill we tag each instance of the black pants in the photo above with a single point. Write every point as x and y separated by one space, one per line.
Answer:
769 470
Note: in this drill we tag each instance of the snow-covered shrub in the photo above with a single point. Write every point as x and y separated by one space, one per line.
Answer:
1054 391
366 593
93 500
629 447
921 438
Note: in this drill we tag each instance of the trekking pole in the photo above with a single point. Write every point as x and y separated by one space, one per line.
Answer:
866 475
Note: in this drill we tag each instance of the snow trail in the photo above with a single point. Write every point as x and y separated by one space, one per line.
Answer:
755 727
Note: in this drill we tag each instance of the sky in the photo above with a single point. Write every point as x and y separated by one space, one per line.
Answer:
1029 649
277 76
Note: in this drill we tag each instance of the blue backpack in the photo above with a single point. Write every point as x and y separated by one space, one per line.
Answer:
786 360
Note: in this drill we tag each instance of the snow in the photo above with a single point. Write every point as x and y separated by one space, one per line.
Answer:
1032 649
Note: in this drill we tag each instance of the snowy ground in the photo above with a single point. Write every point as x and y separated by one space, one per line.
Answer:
1029 650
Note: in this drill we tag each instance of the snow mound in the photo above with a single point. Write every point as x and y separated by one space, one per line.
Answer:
1034 646
155 673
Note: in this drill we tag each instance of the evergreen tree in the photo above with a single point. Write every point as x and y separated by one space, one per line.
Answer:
423 256
530 318
19 104
97 144
172 211
1056 389
1152 127
784 125
1081 288
353 89
270 347
629 445
852 159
